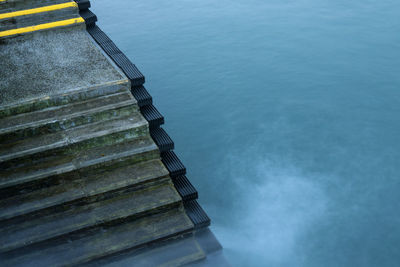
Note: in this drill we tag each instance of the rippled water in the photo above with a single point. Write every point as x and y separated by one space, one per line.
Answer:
286 114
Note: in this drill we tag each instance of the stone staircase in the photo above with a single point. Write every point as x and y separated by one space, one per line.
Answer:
22 16
87 175
81 181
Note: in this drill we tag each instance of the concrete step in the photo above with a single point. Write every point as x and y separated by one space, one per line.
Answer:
129 206
64 117
84 189
71 141
36 16
43 172
16 5
90 245
64 98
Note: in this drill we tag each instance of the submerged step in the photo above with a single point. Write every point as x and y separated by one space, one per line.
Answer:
110 240
129 206
175 252
85 188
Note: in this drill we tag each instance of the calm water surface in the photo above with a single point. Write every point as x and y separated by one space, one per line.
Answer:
286 114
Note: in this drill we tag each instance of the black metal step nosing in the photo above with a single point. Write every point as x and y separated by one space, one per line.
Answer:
152 115
130 70
142 96
185 188
83 4
162 139
109 47
103 40
173 164
94 30
89 17
196 214
175 167
99 36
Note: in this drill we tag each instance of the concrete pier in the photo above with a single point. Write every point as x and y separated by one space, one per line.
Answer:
87 176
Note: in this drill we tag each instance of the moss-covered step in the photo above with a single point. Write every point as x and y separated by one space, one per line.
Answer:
32 175
90 245
69 97
67 116
83 188
129 206
71 141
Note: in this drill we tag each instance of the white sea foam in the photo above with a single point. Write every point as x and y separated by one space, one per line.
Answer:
274 210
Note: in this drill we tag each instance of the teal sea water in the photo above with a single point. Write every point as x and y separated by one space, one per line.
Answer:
287 116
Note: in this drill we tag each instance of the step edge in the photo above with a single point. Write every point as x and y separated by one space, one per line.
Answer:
103 87
76 199
39 123
172 203
68 167
67 141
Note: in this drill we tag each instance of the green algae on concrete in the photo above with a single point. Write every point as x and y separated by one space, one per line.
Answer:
129 206
85 187
80 177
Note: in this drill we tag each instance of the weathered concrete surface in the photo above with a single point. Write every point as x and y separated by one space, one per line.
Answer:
59 118
14 174
80 177
177 252
198 249
105 242
47 63
16 5
35 19
84 187
129 206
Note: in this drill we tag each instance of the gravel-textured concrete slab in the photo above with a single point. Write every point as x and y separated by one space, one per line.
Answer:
46 63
